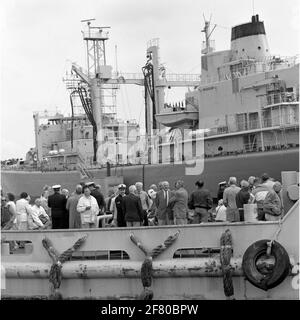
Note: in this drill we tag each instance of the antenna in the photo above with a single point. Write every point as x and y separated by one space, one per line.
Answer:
116 56
88 20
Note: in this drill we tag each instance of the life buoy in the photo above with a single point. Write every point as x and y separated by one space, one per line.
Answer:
262 270
35 157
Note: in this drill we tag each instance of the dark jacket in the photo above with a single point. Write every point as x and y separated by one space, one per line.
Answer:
57 202
99 197
242 197
132 208
120 213
200 198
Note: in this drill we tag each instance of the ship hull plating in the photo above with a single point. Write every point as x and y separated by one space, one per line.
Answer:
215 170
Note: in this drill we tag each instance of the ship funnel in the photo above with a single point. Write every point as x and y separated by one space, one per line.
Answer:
249 41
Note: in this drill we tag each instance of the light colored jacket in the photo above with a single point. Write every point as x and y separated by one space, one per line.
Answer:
23 209
143 195
273 206
180 203
36 212
260 193
88 216
229 196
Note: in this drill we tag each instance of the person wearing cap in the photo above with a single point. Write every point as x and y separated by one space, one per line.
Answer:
57 203
97 195
273 207
118 212
88 208
201 201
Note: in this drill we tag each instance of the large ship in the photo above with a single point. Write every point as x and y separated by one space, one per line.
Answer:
239 118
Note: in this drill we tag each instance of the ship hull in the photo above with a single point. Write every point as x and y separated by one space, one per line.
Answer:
215 170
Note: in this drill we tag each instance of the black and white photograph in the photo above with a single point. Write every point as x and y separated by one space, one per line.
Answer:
149 153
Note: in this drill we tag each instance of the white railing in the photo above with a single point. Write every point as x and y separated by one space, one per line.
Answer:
277 98
266 64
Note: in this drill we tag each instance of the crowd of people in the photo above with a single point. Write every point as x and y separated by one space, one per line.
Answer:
160 205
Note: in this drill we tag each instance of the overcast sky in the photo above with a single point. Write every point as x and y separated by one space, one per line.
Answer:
39 39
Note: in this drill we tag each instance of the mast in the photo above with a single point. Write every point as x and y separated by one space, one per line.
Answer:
208 45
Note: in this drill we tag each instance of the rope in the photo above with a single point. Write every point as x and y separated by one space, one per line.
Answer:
225 256
147 266
275 237
55 275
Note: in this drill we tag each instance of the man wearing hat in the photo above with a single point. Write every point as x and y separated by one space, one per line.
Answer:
97 195
57 203
119 217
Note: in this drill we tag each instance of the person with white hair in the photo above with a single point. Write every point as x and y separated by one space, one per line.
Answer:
132 208
145 201
273 207
74 215
65 192
229 200
162 202
40 219
142 195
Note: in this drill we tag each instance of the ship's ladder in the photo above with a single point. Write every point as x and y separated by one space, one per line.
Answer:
81 167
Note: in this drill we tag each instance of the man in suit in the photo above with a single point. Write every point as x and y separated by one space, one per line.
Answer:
57 203
180 203
162 202
132 208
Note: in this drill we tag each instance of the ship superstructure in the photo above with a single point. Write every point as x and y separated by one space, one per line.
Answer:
248 99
